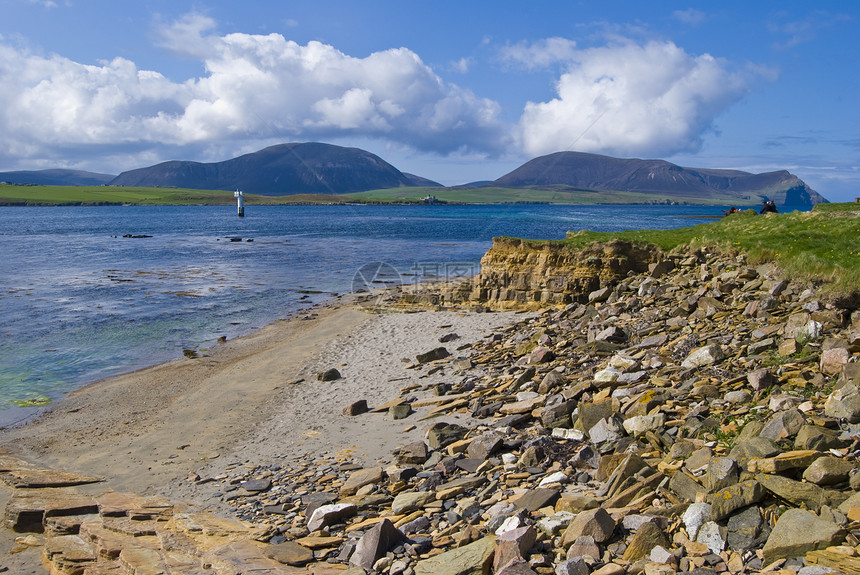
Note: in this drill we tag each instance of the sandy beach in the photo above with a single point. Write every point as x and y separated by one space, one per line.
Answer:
255 399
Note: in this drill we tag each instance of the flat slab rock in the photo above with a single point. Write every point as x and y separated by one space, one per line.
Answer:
26 510
38 478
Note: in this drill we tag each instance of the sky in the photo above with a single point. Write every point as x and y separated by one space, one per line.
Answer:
455 91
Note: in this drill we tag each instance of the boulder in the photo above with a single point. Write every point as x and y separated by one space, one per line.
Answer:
798 531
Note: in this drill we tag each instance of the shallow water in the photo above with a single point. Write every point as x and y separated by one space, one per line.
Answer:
79 302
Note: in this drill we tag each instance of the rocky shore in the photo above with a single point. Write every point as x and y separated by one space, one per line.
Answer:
698 415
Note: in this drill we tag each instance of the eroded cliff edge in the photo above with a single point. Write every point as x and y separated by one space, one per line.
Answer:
531 274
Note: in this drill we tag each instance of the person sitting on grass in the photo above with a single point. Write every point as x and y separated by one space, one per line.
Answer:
768 207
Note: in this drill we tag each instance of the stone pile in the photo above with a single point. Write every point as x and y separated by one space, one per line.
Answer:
701 417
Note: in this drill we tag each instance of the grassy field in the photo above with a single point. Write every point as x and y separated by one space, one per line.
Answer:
823 244
557 195
11 195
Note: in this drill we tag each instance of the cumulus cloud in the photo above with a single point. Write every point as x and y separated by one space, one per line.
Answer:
540 54
629 99
255 88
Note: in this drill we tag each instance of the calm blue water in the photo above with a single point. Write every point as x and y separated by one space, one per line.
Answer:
78 302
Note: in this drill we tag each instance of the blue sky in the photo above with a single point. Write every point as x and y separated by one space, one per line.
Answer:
452 91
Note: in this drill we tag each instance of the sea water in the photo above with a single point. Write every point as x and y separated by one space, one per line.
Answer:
80 300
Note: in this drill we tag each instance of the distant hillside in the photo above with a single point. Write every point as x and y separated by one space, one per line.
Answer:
603 173
280 170
421 182
56 177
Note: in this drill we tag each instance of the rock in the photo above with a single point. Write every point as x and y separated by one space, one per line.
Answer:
711 535
595 522
760 379
833 360
798 531
516 568
541 355
799 493
591 413
606 430
26 510
640 424
696 515
432 355
783 425
256 485
331 374
684 486
289 553
703 356
485 445
329 514
411 501
558 415
844 403
606 377
472 559
661 268
360 478
752 449
356 408
441 435
534 499
722 472
612 334
744 528
644 540
583 546
512 546
556 523
376 543
814 437
728 500
739 396
574 566
828 471
401 411
600 295
784 461
789 347
412 454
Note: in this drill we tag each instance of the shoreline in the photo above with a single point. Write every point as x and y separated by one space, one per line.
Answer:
254 398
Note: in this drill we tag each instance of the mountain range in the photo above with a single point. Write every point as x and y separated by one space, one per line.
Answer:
596 172
318 168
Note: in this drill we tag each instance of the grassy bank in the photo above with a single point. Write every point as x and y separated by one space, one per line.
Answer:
823 244
553 195
11 195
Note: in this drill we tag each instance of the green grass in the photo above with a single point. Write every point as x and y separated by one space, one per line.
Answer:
823 244
11 195
554 195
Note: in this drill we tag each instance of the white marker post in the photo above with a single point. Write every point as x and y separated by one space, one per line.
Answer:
240 203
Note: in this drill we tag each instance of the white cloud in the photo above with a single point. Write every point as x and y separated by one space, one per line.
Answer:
539 54
461 65
255 88
628 99
690 16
